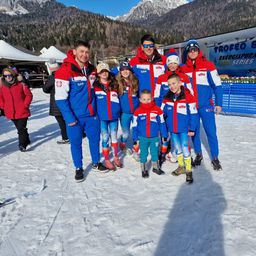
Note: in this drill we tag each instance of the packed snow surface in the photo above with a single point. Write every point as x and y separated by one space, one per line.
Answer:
44 212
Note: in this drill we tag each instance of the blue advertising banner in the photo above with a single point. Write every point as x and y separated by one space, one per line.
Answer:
235 59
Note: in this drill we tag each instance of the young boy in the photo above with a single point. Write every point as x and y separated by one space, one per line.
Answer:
162 88
179 107
148 120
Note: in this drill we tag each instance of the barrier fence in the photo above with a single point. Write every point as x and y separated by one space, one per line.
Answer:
239 98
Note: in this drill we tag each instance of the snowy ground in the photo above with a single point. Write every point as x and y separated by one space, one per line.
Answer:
119 213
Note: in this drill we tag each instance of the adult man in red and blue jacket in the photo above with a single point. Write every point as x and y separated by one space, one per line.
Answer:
205 82
75 98
148 64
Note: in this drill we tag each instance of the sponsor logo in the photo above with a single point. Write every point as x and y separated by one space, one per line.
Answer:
153 118
79 83
143 118
143 71
169 108
201 74
58 83
182 106
158 67
92 77
209 110
100 97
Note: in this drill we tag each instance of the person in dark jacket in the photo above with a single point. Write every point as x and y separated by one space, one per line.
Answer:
15 99
49 87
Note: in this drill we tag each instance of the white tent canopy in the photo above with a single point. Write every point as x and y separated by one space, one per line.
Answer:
8 52
51 53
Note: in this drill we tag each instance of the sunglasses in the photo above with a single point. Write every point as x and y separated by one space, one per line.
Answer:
193 49
9 76
148 46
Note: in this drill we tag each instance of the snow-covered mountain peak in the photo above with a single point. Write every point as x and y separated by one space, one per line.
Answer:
147 8
14 7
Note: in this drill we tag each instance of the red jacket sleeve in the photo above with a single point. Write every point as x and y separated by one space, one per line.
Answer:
28 95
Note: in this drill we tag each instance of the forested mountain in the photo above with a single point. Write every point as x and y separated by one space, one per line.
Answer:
52 23
47 22
206 17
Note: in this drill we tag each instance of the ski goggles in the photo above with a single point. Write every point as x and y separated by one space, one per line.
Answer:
193 49
148 46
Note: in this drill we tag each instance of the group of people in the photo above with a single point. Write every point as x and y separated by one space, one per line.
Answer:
155 97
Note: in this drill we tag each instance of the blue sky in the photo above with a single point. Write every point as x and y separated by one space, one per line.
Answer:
105 7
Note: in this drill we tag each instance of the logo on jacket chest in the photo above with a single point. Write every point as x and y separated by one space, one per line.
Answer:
58 83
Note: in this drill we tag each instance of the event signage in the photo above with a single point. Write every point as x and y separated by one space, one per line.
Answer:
235 58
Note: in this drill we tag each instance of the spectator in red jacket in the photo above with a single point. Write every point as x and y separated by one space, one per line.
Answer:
15 99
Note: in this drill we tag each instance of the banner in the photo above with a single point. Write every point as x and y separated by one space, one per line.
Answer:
235 58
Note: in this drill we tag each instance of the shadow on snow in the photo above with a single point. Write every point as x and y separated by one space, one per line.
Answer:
194 224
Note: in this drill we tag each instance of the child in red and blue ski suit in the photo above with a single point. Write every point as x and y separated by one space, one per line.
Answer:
128 96
148 122
108 109
162 88
179 108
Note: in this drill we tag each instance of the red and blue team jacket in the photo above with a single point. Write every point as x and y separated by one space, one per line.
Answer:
162 87
205 81
180 111
74 93
107 101
148 71
148 121
129 101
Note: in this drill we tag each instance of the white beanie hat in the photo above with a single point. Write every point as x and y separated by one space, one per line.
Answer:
172 57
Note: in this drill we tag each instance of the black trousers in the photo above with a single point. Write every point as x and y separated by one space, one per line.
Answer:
21 126
62 126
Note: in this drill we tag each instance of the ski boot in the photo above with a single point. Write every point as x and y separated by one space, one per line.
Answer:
100 167
117 162
189 177
197 160
144 172
180 170
216 164
158 171
79 177
22 149
157 168
109 165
